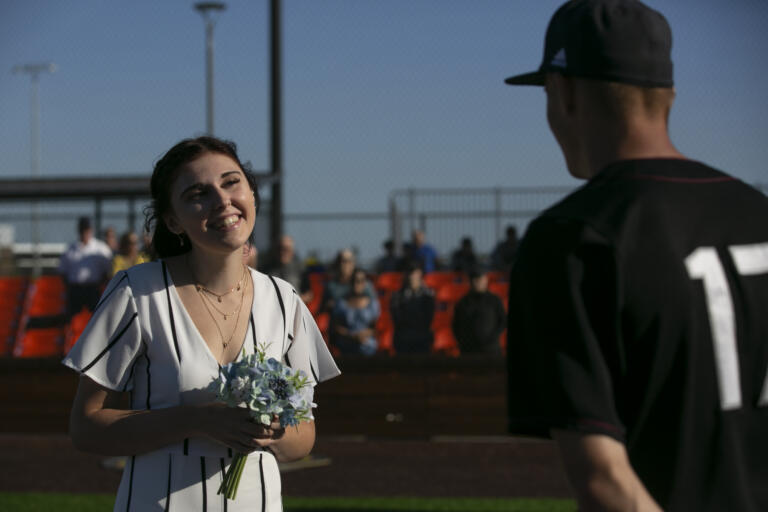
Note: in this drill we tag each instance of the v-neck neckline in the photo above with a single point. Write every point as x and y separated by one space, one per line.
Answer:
193 327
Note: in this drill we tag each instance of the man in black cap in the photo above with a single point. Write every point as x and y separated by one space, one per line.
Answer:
639 301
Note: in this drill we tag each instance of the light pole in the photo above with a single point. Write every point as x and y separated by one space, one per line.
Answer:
208 9
34 71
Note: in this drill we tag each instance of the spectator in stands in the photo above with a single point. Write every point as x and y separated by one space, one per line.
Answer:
340 282
464 259
504 253
423 251
285 264
412 308
85 267
479 318
389 261
110 238
128 253
354 318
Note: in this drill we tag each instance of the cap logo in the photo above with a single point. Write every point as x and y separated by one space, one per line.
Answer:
558 60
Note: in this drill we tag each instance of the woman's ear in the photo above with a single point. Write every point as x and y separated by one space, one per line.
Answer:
172 224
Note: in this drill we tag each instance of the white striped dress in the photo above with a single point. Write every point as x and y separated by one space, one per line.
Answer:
141 339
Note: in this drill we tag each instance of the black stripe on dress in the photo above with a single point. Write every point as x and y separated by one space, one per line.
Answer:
205 487
223 474
149 382
130 484
128 380
110 344
104 298
287 360
229 452
263 485
282 306
253 332
170 312
186 446
168 490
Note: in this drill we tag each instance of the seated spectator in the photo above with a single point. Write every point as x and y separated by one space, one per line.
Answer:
285 264
110 238
128 253
412 309
354 318
464 259
504 253
389 261
340 282
479 318
422 251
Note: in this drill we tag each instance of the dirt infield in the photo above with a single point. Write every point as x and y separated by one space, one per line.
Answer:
483 467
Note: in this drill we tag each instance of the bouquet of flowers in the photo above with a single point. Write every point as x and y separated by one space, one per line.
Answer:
269 390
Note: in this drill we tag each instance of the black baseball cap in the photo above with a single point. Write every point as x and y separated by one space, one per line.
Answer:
614 40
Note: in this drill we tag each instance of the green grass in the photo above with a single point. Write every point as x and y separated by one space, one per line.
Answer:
43 502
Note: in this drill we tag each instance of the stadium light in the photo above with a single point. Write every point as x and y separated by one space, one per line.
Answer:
209 10
34 71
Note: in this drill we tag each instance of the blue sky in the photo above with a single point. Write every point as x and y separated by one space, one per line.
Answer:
378 94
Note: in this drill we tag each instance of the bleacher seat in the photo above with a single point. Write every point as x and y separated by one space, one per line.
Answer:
46 342
445 343
437 279
317 285
389 282
75 328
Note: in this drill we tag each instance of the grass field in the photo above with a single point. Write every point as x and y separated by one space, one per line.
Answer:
43 502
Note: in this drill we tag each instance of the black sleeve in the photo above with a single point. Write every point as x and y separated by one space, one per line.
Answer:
562 366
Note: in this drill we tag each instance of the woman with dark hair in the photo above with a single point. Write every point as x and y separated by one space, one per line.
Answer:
163 330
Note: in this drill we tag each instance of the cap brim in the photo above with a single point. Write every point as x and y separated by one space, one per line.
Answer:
533 78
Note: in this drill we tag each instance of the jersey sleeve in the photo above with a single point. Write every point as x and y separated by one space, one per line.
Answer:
563 348
307 350
111 342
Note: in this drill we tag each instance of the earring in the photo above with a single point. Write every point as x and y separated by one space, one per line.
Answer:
181 239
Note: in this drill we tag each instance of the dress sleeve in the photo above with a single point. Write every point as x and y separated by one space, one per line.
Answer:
307 350
111 342
563 348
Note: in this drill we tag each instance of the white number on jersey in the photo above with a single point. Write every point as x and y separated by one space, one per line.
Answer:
704 263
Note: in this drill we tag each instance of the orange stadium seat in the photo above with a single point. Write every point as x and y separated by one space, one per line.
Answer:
445 343
386 341
437 279
75 329
389 282
40 343
46 305
451 292
317 285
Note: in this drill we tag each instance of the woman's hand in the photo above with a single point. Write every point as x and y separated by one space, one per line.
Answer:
234 427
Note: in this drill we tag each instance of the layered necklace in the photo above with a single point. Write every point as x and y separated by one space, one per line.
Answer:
207 296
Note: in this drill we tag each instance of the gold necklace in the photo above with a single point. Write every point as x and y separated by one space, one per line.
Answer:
225 314
219 296
216 323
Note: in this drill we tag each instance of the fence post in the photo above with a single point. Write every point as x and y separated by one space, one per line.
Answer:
497 209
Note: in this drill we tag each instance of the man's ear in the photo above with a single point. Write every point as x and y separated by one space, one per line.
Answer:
563 90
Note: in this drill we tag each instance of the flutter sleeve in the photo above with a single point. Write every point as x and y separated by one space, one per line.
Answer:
111 342
307 350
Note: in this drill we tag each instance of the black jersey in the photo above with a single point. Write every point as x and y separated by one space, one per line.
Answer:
639 310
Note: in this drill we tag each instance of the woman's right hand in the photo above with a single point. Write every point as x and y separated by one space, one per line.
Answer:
234 427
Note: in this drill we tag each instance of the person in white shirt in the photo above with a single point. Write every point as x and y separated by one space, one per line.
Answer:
85 267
